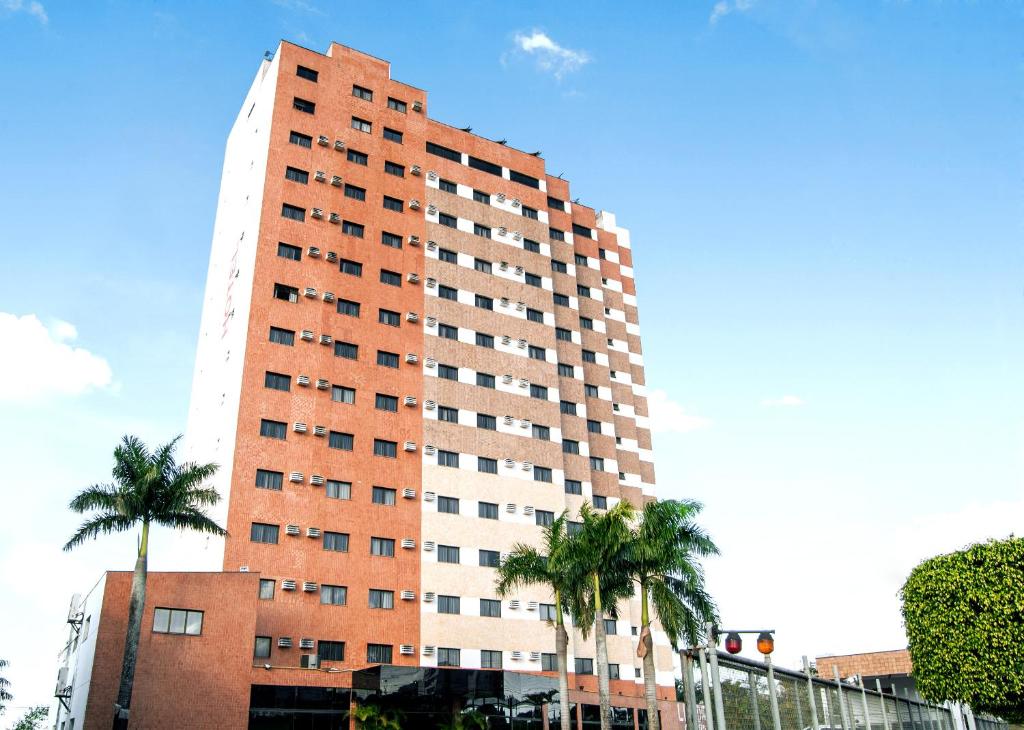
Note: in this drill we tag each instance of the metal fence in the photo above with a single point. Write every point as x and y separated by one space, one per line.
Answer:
811 703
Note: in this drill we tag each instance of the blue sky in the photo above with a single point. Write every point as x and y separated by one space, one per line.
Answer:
824 201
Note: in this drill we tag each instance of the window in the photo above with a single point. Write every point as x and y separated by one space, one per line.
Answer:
602 254
447 554
556 235
532 279
481 265
393 204
486 466
260 532
269 479
352 229
352 268
302 140
282 336
360 158
447 220
386 403
579 230
523 179
561 333
530 213
600 502
448 415
447 292
590 391
537 353
339 440
488 559
448 458
485 340
567 407
384 496
559 266
531 246
586 323
331 651
487 510
541 432
386 316
490 659
177 621
556 203
387 359
447 331
560 299
393 168
267 589
570 447
487 422
549 662
348 307
483 302
613 673
286 293
383 547
296 175
584 666
596 463
448 657
490 608
566 371
448 154
539 391
534 315
347 350
392 135
336 542
378 653
303 106
287 251
547 612
573 486
610 626
399 106
485 380
583 291
477 164
277 381
544 518
361 125
447 255
448 505
273 429
338 490
387 449
448 372
333 595
447 186
382 599
341 394
355 192
307 73
391 278
589 356
362 93
541 474
261 650
449 604
293 211
580 259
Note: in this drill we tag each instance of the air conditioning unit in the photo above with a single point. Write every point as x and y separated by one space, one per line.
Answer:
406 649
525 423
502 231
517 655
335 218
408 595
319 430
429 545
414 240
322 384
534 656
307 335
284 642
299 427
288 585
431 175
62 679
412 317
527 466
520 306
414 204
503 265
408 543
429 597
417 106
312 532
291 530
516 202
508 420
296 476
320 176
413 278
336 180
429 496
332 256
409 400
310 661
416 170
431 245
429 450
339 144
520 270
316 480
431 321
506 339
532 606
410 446
514 604
306 643
328 296
524 383
431 282
317 213
322 140
506 378
500 197
504 301
510 507
428 651
326 339
313 252
517 236
430 404
243 568
522 344
302 380
528 509
412 358
309 586
432 210
409 493
309 292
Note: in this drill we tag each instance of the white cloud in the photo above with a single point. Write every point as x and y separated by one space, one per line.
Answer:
33 8
40 362
667 416
786 401
725 7
548 55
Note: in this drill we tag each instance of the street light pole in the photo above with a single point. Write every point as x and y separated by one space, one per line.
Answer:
776 720
716 680
709 715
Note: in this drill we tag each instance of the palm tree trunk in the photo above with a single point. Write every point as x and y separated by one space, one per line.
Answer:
600 639
131 641
562 650
650 684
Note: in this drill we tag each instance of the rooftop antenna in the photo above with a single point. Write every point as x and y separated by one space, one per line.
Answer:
536 154
502 141
268 55
467 129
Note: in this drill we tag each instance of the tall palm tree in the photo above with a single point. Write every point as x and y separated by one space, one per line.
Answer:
663 561
148 488
526 565
596 564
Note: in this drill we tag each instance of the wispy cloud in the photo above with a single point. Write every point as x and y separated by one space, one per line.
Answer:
547 55
727 7
33 8
786 401
668 416
39 362
300 5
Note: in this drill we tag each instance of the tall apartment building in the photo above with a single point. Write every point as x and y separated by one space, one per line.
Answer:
414 351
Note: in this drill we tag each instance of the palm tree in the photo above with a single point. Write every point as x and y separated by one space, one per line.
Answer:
372 717
662 559
526 565
596 564
148 488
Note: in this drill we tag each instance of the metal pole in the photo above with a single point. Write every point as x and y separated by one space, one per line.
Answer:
771 693
709 715
810 694
716 680
910 709
753 699
864 699
689 692
842 702
899 715
881 698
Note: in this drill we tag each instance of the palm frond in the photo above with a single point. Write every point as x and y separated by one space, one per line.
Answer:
523 566
190 519
103 524
96 497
